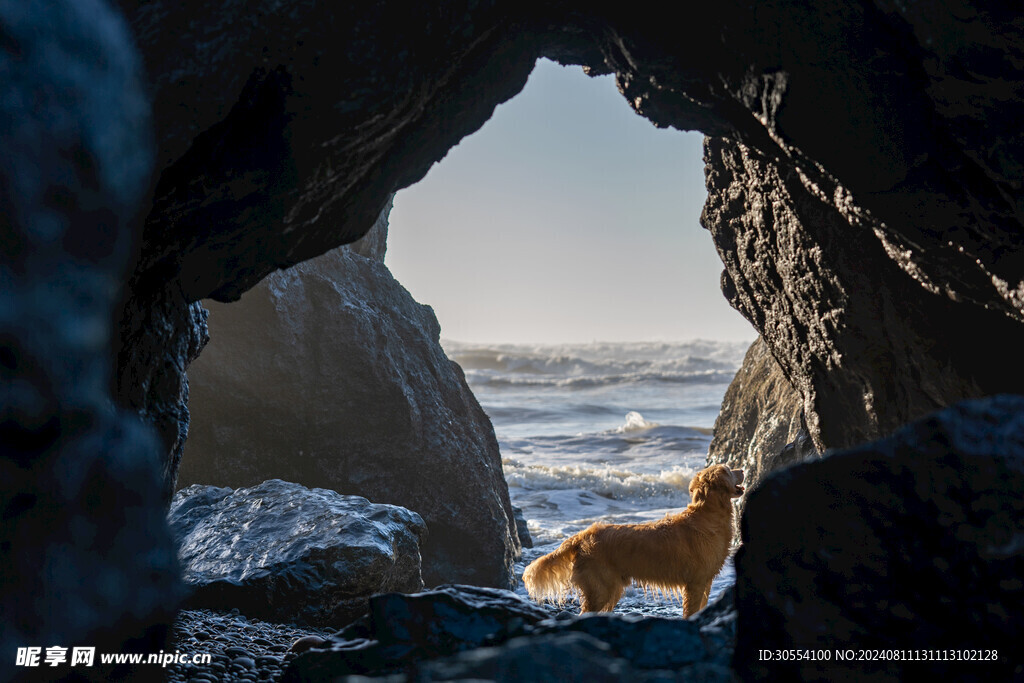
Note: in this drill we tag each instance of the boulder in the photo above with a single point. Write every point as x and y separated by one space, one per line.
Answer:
912 543
281 552
85 554
329 374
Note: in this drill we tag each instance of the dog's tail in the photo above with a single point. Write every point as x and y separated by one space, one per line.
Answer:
547 577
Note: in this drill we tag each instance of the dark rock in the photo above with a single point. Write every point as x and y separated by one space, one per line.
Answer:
306 643
761 414
867 347
244 662
400 630
85 556
288 553
329 374
647 642
563 657
522 528
910 543
410 633
159 335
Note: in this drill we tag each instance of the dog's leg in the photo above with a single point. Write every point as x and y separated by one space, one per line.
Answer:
596 588
616 595
692 597
695 598
704 596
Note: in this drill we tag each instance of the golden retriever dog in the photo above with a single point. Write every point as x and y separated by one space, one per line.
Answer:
679 553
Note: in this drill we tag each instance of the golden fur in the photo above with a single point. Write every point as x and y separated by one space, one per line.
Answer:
679 553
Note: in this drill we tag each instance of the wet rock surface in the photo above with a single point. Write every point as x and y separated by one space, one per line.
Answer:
522 530
331 375
915 545
283 552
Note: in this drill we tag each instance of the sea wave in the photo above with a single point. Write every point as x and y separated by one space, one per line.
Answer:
597 364
666 488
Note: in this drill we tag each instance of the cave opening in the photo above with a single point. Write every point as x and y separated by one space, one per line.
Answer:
571 219
560 248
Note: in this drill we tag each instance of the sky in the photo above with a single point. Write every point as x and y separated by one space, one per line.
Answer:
567 218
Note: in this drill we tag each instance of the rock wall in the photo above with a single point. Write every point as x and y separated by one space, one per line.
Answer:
329 374
760 427
866 345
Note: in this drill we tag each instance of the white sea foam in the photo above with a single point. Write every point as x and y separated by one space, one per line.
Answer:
666 488
635 422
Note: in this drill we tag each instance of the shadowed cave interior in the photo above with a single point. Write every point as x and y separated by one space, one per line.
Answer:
863 167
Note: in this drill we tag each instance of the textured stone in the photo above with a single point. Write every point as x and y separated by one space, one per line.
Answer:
913 542
865 178
283 552
761 414
866 346
85 556
329 374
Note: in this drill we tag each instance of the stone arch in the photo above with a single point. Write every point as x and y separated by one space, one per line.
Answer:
847 185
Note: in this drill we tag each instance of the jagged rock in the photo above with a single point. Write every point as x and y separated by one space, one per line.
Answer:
865 192
761 414
85 555
330 374
283 552
913 542
467 632
868 348
160 335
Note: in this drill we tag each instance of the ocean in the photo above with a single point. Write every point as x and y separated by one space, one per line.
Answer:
601 432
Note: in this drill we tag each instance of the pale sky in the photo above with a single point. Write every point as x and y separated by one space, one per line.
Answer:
566 218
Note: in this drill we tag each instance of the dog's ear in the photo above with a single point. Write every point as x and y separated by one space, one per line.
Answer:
699 487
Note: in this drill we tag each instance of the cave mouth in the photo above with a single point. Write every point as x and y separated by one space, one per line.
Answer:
613 429
561 250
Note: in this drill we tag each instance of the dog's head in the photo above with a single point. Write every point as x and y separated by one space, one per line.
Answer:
716 480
